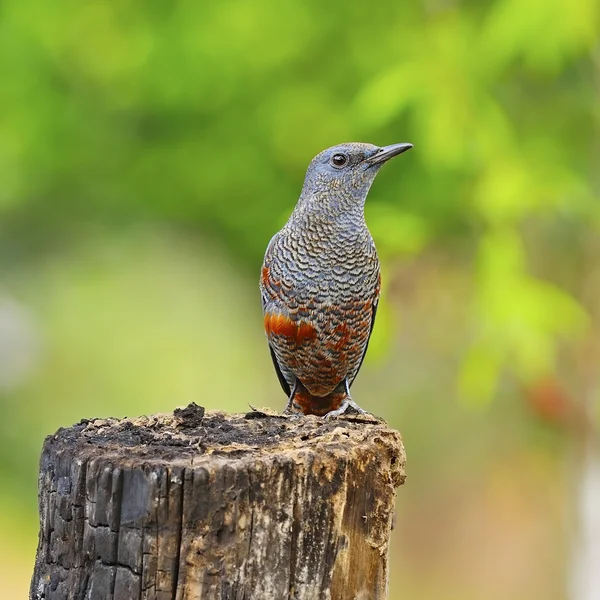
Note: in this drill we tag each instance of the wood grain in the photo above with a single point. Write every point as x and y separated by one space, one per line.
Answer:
191 506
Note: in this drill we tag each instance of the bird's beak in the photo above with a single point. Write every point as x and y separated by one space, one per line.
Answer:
386 152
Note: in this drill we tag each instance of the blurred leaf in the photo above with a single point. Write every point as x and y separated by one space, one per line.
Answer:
561 29
396 233
519 318
479 373
383 333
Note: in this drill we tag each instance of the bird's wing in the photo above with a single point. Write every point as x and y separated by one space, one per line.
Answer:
264 275
282 380
264 283
373 314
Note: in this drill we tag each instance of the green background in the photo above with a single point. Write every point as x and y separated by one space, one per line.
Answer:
149 150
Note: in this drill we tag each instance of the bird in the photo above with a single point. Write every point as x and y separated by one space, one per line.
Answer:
320 282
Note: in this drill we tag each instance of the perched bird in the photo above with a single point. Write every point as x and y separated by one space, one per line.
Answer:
320 281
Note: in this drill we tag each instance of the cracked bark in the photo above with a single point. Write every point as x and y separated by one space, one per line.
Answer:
196 506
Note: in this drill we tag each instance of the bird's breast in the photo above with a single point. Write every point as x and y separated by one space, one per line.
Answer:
301 266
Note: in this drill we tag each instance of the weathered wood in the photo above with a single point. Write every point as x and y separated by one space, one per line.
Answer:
192 506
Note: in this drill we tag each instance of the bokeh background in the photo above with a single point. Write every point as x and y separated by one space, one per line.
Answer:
149 150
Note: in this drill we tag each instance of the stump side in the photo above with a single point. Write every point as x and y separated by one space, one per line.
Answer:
192 506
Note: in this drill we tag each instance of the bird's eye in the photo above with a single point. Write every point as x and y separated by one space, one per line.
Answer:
339 160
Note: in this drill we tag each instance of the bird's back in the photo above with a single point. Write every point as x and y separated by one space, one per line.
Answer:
320 280
320 285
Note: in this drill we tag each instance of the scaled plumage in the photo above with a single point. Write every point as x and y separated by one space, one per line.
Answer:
320 281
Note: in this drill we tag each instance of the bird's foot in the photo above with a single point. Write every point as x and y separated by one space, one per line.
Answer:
347 406
292 409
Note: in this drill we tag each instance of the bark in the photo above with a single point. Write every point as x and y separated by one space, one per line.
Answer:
195 506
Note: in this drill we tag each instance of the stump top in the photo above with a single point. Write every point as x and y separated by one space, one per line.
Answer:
190 435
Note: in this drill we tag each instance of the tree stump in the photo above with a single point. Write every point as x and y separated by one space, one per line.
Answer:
193 506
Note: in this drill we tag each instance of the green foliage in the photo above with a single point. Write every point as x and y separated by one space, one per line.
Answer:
202 117
519 318
207 114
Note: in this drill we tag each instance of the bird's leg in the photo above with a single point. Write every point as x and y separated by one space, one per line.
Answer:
347 403
289 409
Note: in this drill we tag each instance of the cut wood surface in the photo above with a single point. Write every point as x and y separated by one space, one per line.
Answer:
195 505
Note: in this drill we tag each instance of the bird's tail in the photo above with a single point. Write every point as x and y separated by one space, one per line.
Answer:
318 405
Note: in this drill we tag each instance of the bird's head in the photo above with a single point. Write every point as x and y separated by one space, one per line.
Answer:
343 174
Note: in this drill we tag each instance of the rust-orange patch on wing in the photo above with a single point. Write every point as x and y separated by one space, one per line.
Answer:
276 324
264 275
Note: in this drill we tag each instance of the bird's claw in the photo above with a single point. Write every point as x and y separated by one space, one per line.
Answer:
347 405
